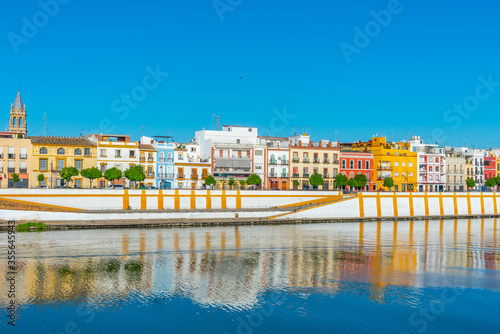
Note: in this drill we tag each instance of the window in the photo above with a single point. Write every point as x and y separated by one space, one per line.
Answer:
410 174
118 153
343 163
60 164
61 151
86 151
103 152
335 172
396 164
258 166
258 152
179 156
249 130
43 164
410 164
43 150
351 164
306 170
78 183
360 164
78 152
396 174
78 164
367 164
132 154
237 141
404 164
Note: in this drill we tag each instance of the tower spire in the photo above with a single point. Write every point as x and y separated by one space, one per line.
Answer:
17 121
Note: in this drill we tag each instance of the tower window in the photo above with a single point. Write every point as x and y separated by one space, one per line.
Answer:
78 152
43 150
61 151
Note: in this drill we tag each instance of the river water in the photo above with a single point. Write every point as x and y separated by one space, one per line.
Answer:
386 277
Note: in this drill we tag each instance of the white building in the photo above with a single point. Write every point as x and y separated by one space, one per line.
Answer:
235 153
114 151
431 165
278 158
190 170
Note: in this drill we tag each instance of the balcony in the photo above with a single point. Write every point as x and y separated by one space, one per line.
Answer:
11 170
103 155
316 161
170 160
325 176
23 170
273 175
326 161
151 159
295 175
295 160
161 159
180 176
23 156
142 159
384 168
305 175
170 175
305 160
336 162
12 156
194 177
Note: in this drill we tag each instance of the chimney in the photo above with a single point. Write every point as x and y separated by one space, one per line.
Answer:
300 142
320 144
218 118
330 144
310 144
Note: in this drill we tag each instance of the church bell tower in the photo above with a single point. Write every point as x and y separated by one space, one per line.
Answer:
17 122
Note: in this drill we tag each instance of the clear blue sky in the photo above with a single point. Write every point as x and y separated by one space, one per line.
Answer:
425 60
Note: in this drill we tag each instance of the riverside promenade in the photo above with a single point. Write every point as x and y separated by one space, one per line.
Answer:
82 208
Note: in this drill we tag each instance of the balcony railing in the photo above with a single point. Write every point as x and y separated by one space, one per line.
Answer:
336 162
180 176
11 169
142 159
23 156
23 170
326 161
316 161
295 175
103 155
170 175
325 176
305 160
194 177
12 156
150 159
170 160
384 168
151 174
296 160
305 175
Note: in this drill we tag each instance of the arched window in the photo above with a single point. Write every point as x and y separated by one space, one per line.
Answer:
170 157
20 121
360 163
162 156
78 152
14 121
61 151
273 159
43 150
367 164
343 163
351 164
351 175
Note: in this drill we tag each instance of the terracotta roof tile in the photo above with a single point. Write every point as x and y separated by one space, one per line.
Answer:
52 140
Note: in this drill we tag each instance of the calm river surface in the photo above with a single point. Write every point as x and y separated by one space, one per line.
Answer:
388 277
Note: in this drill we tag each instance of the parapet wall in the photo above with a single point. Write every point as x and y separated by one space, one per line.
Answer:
84 199
388 205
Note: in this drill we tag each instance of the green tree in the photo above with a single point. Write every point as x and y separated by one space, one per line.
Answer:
210 181
470 183
340 181
316 180
135 174
113 174
389 182
296 183
40 177
352 183
91 174
68 172
361 181
15 179
231 183
242 183
254 179
490 183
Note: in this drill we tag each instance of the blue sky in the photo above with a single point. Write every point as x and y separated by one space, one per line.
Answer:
278 65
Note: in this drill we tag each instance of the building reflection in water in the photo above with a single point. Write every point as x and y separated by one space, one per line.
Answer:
231 267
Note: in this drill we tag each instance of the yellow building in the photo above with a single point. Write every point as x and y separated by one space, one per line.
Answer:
307 158
52 154
147 160
15 157
393 159
498 166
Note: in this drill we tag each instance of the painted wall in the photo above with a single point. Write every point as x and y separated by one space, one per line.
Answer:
387 205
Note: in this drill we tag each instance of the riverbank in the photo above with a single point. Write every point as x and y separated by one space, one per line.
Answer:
228 221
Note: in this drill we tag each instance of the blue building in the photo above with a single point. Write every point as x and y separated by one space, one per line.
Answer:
165 164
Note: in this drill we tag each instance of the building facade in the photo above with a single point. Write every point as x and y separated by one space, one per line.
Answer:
190 169
114 151
147 160
51 154
353 163
308 158
455 172
165 162
15 157
17 121
277 157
